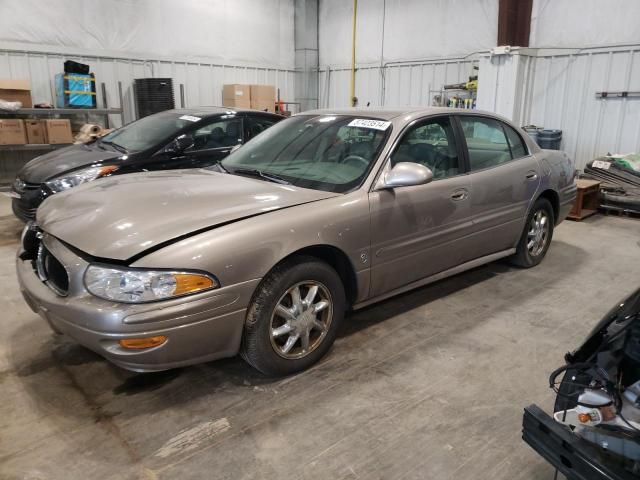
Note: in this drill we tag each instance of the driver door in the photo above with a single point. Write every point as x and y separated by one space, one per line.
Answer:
214 142
422 230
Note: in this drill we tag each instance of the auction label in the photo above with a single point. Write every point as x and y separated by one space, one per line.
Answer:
190 118
601 164
368 123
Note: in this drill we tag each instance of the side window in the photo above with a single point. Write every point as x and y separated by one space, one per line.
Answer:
518 148
431 143
257 125
224 133
486 142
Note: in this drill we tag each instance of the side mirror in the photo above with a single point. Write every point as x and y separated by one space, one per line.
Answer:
407 174
235 147
180 144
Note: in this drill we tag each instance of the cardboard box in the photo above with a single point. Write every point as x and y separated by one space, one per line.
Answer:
12 132
35 131
16 91
236 95
263 97
57 131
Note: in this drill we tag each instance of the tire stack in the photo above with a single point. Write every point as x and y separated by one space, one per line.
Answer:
153 95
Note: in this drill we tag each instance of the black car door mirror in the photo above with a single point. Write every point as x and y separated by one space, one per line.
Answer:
236 147
180 144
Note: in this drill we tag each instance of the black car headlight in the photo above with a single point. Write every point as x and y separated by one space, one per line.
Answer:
79 177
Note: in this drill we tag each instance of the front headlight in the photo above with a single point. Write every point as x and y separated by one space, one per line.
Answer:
139 286
78 177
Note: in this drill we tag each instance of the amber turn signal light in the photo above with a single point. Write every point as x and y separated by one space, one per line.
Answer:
190 283
584 417
141 343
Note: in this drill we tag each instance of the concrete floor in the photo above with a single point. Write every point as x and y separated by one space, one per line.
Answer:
427 385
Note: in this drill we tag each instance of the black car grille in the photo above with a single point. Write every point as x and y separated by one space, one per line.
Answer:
23 212
51 271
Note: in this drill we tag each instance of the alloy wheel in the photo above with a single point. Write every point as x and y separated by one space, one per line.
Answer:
301 319
538 233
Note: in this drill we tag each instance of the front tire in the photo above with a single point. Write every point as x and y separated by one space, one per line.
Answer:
536 236
293 317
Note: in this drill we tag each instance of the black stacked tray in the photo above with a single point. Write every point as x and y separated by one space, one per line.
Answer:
153 95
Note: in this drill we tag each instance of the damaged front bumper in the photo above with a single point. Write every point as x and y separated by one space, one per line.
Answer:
572 456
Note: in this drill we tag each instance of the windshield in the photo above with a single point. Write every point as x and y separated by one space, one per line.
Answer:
149 131
331 153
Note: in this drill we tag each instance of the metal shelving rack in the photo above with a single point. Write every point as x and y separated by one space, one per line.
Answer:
53 112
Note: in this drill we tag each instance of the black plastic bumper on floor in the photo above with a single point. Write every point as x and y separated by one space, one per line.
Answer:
573 457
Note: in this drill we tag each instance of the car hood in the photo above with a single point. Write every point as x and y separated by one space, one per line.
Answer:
55 163
122 216
625 311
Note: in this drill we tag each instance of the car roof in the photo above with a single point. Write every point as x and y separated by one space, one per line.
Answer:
389 113
205 111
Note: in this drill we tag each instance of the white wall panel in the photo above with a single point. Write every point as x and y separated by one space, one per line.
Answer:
584 23
245 32
202 81
392 30
412 84
561 94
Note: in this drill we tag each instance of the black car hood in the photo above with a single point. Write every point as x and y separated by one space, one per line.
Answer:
625 311
55 163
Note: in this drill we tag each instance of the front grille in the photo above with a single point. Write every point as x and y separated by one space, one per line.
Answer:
23 212
51 271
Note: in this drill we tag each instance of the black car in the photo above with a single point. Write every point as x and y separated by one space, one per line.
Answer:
186 138
595 429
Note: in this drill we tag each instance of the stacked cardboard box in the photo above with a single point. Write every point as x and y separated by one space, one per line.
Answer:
236 95
263 97
35 131
57 131
12 132
258 97
16 91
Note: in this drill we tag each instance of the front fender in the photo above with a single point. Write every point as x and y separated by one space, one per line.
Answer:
248 249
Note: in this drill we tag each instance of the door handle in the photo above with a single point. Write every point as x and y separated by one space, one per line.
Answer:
532 176
459 195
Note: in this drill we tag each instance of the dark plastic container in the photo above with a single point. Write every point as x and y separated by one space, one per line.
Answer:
533 131
550 139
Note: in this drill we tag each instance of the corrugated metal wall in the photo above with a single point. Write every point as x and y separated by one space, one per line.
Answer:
393 84
202 81
560 93
202 85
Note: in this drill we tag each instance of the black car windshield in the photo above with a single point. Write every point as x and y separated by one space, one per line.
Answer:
326 152
149 131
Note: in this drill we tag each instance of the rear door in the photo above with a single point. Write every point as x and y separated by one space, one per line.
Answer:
504 180
421 230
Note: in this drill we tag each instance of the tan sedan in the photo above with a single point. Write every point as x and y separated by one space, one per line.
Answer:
264 253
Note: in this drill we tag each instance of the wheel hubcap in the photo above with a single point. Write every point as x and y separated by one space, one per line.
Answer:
538 233
301 319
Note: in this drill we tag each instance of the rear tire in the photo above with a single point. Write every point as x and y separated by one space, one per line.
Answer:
293 317
536 235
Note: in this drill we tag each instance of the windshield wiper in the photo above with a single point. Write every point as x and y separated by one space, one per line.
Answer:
120 148
254 172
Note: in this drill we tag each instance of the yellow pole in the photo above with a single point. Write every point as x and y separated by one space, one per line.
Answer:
353 56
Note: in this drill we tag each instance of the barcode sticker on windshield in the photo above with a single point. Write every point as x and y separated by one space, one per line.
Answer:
190 118
601 164
368 123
